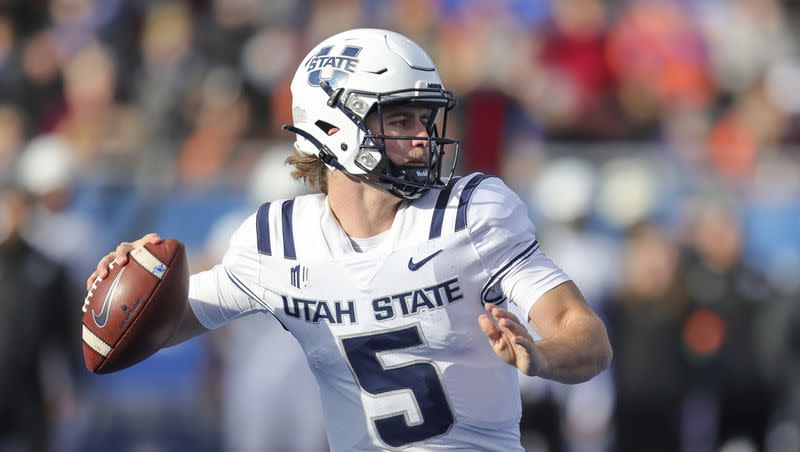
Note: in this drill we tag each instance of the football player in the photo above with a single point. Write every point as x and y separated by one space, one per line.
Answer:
395 278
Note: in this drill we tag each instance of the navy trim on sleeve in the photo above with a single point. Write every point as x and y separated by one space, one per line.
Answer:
497 277
262 230
463 202
288 237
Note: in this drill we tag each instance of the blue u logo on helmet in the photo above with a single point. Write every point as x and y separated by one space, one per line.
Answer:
333 68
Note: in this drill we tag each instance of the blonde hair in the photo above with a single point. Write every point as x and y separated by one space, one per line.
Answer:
310 169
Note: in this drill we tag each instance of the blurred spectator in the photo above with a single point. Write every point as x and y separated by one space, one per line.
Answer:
220 118
103 134
573 57
651 372
38 336
47 170
657 53
74 23
267 80
226 29
12 134
753 125
10 73
728 299
41 92
779 342
744 38
770 222
168 69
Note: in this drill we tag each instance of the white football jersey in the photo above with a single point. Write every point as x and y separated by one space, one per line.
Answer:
392 334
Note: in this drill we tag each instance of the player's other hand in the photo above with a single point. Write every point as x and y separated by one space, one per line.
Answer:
120 255
510 339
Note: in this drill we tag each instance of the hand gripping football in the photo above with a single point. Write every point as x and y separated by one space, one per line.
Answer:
130 314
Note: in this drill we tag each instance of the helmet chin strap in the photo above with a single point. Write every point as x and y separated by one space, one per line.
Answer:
328 158
325 154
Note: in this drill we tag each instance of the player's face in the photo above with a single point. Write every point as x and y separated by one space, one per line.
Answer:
403 120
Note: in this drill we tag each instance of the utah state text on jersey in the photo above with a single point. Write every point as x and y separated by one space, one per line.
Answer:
386 307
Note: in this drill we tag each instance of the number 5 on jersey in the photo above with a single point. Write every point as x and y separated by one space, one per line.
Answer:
421 377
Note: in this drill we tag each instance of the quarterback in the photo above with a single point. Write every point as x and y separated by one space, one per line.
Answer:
395 276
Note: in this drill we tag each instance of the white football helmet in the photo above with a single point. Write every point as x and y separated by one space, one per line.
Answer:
358 72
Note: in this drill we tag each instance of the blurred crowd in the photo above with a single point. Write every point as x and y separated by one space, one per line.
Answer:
656 143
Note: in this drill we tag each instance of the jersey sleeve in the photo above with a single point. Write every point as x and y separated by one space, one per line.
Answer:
505 240
230 290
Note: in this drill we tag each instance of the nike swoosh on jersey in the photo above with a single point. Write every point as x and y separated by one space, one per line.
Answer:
414 266
101 319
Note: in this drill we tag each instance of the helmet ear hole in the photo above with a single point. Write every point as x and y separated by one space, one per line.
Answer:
326 127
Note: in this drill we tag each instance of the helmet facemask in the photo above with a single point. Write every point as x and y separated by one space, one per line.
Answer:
408 181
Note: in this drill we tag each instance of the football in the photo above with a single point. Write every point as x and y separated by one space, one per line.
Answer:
130 314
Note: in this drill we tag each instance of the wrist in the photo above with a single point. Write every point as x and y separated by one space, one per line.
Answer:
537 367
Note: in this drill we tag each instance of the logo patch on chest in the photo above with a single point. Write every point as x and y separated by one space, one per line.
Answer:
299 276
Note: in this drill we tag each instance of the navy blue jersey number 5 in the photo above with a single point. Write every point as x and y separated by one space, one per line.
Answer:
420 377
